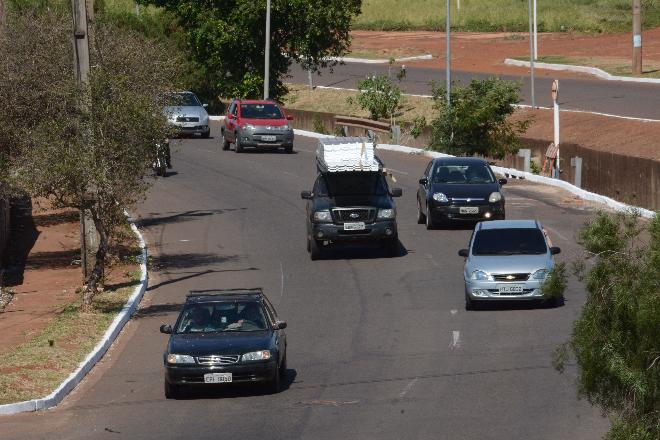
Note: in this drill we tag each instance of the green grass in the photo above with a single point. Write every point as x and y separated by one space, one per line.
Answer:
613 66
505 15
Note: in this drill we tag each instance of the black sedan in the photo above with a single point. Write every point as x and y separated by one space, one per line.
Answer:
224 337
459 188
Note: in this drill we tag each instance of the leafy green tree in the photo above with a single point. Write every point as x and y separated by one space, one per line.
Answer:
477 121
77 144
226 38
616 339
380 96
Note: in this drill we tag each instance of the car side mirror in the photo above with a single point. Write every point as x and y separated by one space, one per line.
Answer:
280 325
503 181
396 192
166 328
555 250
423 181
306 195
231 116
205 105
289 118
464 253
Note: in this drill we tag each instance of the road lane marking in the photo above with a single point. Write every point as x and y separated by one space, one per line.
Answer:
453 311
282 283
408 387
184 241
455 339
397 171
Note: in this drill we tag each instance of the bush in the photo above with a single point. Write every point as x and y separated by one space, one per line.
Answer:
476 122
616 338
379 96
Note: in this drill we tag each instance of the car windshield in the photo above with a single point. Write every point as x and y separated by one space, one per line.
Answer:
184 100
514 241
352 184
463 174
261 111
238 316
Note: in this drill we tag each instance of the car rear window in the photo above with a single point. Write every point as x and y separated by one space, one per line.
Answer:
239 316
514 241
261 111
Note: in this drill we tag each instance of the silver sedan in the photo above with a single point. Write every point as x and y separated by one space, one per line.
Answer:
506 260
188 114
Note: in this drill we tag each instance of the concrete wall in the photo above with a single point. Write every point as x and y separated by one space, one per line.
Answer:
628 179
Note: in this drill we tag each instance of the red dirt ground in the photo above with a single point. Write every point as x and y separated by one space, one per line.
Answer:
485 52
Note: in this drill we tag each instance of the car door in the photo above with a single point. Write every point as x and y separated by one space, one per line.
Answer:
230 124
280 334
423 190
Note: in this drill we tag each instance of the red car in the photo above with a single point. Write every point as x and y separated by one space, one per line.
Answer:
257 124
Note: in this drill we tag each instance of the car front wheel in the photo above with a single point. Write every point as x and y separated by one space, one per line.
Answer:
430 224
315 249
172 391
238 147
421 218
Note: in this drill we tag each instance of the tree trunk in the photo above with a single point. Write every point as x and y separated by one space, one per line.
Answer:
97 273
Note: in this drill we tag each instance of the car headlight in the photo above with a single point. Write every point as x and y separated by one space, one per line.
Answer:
480 275
323 216
540 274
248 127
180 359
440 197
494 197
262 355
386 214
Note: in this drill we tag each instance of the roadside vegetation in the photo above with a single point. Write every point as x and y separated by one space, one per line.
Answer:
616 338
505 15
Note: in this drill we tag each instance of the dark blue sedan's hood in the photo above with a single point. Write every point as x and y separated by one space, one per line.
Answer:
474 190
220 343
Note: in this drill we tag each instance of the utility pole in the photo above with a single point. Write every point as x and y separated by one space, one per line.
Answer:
536 35
448 52
531 52
637 37
88 235
555 108
267 55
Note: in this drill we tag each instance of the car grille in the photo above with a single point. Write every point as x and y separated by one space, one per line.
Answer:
497 292
511 277
187 119
471 201
341 215
218 359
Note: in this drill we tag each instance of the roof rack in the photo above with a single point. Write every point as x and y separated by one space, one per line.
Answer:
227 292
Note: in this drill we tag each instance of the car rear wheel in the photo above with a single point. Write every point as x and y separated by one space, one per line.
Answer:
172 391
421 218
315 249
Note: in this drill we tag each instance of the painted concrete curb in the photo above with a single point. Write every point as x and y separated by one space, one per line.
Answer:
379 60
582 69
579 192
101 348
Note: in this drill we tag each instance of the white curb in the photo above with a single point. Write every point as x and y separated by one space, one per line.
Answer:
579 192
92 358
379 60
581 69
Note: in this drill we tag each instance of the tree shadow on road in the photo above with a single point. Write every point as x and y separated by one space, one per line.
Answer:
189 275
164 218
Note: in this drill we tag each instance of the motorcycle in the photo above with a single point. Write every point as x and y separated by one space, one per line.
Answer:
162 160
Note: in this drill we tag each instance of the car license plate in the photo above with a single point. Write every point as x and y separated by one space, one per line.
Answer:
356 226
508 289
468 210
217 378
268 138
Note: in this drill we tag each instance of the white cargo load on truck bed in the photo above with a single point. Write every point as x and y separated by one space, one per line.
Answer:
335 155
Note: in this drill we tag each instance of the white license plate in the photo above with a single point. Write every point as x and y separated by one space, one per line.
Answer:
269 138
468 210
217 378
510 289
356 226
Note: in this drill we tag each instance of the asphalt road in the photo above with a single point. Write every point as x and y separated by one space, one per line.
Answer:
379 348
612 97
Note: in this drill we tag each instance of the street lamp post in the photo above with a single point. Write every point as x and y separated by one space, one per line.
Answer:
536 35
448 52
267 55
531 51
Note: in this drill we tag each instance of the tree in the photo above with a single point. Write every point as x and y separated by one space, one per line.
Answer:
380 96
226 39
616 339
477 122
93 155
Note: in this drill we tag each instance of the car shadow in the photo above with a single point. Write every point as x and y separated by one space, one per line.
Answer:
235 390
368 251
265 150
518 305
